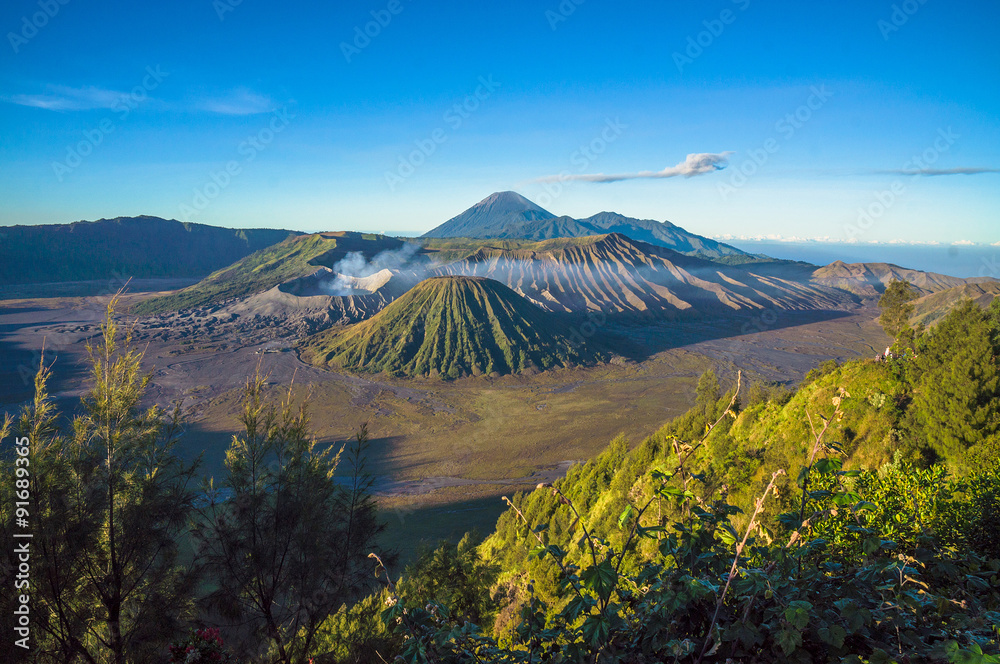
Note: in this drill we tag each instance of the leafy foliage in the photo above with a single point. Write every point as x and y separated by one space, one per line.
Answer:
284 542
456 576
203 646
109 507
767 539
112 510
957 389
355 634
867 567
896 307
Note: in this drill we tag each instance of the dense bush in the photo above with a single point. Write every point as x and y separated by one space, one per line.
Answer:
856 573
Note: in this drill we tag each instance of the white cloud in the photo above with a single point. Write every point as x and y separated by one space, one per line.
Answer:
65 98
930 172
694 164
826 239
239 102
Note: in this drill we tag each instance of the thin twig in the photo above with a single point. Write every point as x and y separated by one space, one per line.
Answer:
681 461
559 562
736 559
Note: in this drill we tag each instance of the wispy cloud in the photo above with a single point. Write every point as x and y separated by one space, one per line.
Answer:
930 172
827 239
695 164
239 102
65 98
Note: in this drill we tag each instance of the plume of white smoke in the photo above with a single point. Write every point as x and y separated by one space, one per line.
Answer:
354 265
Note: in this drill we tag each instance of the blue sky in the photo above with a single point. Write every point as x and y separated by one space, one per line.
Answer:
250 113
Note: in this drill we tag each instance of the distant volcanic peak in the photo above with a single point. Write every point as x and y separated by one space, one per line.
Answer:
492 216
450 326
511 202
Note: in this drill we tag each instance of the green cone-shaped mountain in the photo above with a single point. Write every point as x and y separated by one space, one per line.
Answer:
451 327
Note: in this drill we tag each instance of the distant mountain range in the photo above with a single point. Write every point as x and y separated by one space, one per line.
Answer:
345 277
508 215
124 247
489 291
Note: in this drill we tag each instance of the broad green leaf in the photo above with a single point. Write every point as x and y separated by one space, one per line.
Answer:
789 640
834 635
624 516
600 578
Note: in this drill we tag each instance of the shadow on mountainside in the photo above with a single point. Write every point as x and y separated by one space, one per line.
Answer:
639 339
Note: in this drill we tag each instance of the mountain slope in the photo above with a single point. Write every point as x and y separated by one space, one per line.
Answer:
935 306
295 257
508 215
617 275
869 279
141 247
449 327
662 233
